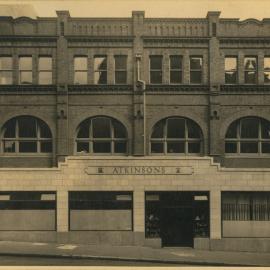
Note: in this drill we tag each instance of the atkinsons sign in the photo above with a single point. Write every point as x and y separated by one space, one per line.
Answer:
139 170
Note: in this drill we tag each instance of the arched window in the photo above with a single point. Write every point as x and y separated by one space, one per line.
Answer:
26 134
249 135
176 135
101 135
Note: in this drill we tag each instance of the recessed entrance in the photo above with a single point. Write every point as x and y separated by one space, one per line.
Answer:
177 217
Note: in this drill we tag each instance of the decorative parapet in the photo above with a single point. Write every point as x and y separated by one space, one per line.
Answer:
245 28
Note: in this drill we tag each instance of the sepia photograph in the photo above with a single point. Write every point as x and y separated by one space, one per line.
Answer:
134 133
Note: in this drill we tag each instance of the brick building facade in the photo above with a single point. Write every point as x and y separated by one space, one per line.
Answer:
143 131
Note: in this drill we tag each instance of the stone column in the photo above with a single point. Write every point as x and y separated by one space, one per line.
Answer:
215 214
241 76
260 70
186 74
138 211
62 211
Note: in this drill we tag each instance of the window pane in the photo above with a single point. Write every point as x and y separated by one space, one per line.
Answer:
175 76
266 63
175 147
156 62
27 127
82 147
195 77
249 147
119 130
250 77
249 128
230 63
176 62
80 77
100 63
25 63
265 125
84 130
46 147
250 63
267 76
120 62
120 147
230 147
44 130
230 77
193 130
10 129
101 77
194 147
101 147
26 77
232 130
5 77
45 63
120 77
45 77
80 63
9 146
195 63
156 77
158 131
5 63
176 128
265 147
101 127
157 147
27 147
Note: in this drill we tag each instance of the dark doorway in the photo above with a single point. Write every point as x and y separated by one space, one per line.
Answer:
177 217
176 227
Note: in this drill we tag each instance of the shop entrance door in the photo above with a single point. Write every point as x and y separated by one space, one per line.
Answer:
177 226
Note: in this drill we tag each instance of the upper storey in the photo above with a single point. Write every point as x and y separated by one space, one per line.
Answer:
136 25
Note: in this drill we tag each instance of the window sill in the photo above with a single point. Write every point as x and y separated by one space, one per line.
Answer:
23 155
247 156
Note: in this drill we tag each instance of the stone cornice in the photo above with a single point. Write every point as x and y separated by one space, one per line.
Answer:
100 38
100 88
246 40
239 88
32 89
174 39
176 88
28 38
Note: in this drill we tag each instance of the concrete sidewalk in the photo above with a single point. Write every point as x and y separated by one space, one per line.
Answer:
132 253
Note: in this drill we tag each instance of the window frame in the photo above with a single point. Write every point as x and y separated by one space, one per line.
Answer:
155 70
80 70
91 140
246 70
164 140
266 69
26 70
101 70
180 70
236 69
7 70
120 70
238 140
17 139
196 70
45 70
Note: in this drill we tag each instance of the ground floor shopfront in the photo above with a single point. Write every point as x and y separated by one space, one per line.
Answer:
152 201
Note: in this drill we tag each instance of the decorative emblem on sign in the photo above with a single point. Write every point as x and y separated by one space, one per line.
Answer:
139 170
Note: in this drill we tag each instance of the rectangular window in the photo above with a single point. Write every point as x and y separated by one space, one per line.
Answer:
25 70
120 65
5 70
80 70
266 69
195 69
156 69
100 69
250 69
45 70
230 70
175 69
